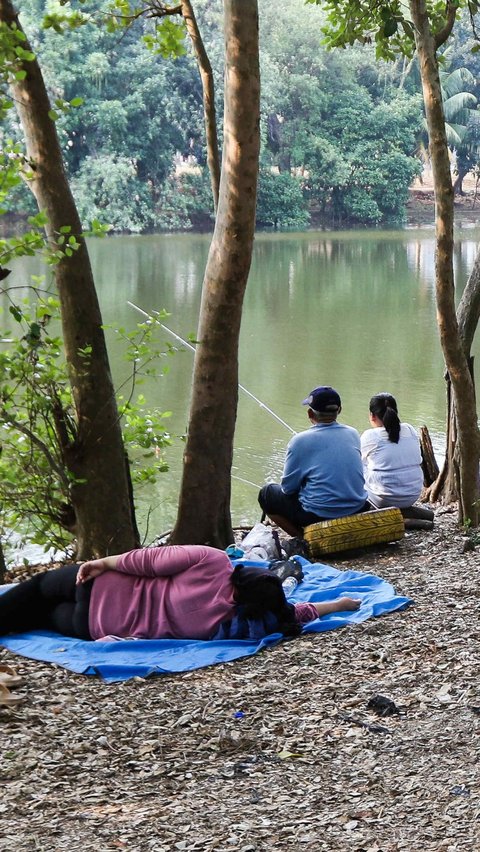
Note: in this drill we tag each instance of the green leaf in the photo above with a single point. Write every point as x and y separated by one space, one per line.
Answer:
390 27
16 312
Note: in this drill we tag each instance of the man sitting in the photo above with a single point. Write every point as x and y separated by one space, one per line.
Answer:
323 473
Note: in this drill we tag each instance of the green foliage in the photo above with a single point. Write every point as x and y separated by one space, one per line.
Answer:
63 106
34 404
332 123
100 187
167 39
125 115
385 23
377 186
185 201
13 52
280 201
38 428
62 21
12 162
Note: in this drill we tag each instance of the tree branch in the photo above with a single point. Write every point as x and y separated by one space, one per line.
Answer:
40 445
442 35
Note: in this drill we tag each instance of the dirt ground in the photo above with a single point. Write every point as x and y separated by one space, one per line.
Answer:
274 752
420 209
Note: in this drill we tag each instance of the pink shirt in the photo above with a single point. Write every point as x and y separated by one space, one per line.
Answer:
179 592
305 612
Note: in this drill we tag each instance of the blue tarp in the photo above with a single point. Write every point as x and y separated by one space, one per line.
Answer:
117 661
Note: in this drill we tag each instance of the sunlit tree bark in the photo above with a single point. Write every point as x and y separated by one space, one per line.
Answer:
467 450
445 486
204 505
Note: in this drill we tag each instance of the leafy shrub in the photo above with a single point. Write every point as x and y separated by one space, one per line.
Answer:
280 201
107 188
38 420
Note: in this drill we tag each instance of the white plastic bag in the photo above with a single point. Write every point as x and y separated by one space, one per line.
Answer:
262 542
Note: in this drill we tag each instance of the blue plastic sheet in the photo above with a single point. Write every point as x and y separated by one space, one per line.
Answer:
117 661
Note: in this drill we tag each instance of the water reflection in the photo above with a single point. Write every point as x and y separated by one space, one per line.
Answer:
351 309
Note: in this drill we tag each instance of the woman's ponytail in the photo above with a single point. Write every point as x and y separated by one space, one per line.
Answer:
384 406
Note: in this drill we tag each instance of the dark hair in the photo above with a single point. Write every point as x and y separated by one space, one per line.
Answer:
384 406
259 592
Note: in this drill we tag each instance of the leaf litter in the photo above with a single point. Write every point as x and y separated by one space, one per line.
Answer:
286 750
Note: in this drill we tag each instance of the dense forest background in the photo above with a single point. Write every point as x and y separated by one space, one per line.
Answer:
343 134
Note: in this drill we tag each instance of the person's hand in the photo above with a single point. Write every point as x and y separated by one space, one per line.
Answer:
91 569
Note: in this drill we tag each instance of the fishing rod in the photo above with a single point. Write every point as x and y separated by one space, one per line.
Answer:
189 345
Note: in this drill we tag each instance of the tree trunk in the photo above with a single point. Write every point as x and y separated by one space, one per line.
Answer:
213 157
429 462
458 185
445 487
3 565
204 505
468 438
104 513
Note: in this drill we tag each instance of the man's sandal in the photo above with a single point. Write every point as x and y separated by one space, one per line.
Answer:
9 677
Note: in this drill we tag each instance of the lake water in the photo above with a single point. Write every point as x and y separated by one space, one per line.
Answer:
352 309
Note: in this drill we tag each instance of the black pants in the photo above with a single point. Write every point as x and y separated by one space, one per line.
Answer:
50 601
273 501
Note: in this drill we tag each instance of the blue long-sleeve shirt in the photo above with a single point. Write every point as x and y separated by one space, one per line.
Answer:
324 467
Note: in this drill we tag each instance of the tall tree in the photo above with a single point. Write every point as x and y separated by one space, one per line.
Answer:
100 492
428 27
204 505
445 486
467 453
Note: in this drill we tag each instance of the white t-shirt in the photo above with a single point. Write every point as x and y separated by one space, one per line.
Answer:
393 473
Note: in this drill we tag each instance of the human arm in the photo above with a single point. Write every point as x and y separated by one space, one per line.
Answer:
368 445
306 611
168 560
94 567
293 472
154 561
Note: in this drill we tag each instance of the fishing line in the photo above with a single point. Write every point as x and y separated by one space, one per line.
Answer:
189 345
247 481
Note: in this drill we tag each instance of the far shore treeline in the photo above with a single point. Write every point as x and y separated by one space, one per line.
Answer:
343 134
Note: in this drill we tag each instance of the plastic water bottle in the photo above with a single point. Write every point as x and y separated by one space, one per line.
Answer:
289 585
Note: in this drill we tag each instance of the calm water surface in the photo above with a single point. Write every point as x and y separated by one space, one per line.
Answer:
352 309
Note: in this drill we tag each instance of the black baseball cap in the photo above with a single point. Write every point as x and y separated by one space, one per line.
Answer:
323 400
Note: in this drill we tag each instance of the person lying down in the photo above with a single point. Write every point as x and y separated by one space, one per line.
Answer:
169 592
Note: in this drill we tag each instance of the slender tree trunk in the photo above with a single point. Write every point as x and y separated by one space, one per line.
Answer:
204 506
104 513
458 185
3 565
445 486
206 75
468 439
185 9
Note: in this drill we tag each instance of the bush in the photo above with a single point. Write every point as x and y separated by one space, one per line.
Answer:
280 201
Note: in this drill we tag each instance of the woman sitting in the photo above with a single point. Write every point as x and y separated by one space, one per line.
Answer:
391 456
180 592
